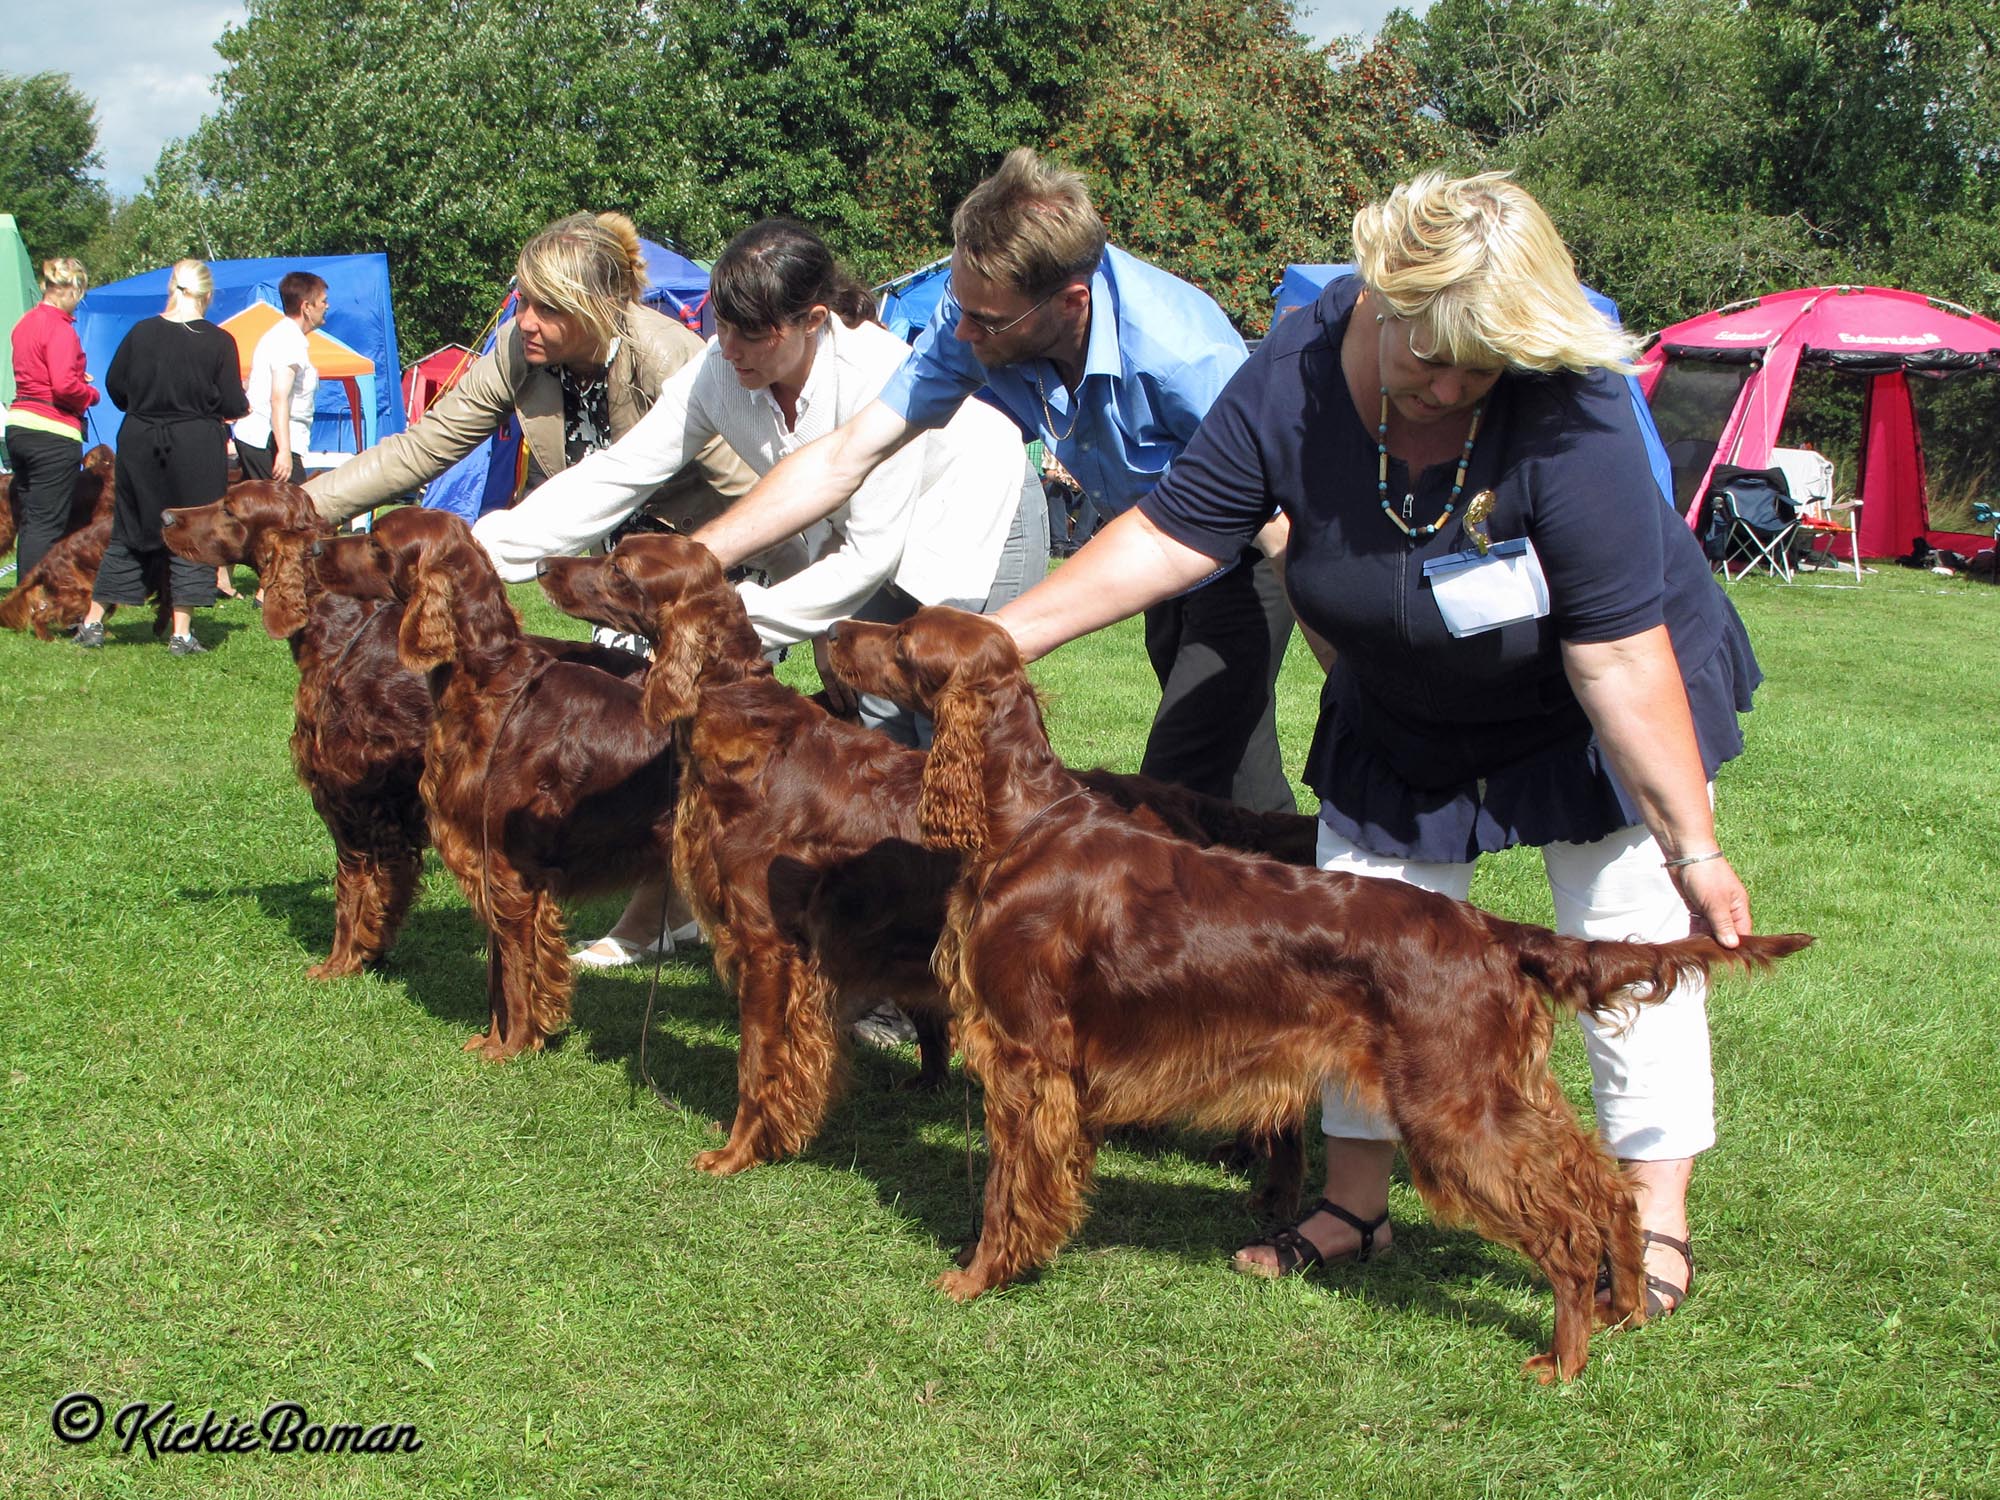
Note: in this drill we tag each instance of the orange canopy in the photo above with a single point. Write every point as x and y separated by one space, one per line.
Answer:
330 356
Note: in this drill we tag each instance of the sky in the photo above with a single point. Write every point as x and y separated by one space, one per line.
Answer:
147 64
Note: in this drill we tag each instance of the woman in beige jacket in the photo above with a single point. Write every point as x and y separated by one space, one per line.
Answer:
579 365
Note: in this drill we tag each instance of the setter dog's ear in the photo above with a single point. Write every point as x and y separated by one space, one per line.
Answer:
681 646
951 807
283 571
428 636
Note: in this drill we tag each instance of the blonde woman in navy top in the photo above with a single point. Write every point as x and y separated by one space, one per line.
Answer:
1529 646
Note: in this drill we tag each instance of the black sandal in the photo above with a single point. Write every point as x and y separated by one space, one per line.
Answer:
1297 1254
1658 1289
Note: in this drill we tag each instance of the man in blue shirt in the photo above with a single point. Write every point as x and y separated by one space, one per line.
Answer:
1114 363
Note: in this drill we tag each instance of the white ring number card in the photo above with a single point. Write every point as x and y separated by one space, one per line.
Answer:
1476 593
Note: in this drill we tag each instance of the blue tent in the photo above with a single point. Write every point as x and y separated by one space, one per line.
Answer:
675 285
906 304
1302 284
485 479
359 316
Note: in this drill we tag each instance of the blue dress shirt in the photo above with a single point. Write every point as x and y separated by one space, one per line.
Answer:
1160 352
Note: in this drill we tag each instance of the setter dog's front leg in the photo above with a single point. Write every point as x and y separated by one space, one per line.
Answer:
352 875
1039 1157
785 1059
371 897
528 980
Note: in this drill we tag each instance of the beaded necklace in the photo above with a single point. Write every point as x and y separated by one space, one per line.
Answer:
1418 533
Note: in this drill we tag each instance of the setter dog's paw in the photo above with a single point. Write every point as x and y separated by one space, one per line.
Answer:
1544 1370
337 968
963 1286
725 1161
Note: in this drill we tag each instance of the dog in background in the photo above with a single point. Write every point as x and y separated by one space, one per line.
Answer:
54 596
1101 974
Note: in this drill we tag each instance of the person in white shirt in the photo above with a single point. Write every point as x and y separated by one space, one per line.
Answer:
957 517
271 442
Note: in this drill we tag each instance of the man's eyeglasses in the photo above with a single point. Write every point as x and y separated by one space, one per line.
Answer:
990 329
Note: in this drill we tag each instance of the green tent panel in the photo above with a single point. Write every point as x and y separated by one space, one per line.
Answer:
19 291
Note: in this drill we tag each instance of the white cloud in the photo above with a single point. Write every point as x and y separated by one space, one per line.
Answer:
146 65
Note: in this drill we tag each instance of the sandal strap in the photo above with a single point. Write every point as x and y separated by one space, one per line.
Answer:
1366 1228
1682 1247
1295 1251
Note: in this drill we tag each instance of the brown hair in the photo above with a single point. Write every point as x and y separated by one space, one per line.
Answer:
1030 226
773 273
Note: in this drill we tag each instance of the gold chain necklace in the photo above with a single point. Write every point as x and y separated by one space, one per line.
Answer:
1418 533
1048 421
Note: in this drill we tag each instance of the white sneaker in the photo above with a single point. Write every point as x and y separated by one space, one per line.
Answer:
885 1026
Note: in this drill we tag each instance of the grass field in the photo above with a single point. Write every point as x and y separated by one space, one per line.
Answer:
223 1185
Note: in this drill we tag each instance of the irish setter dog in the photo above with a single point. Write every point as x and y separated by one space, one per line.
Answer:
798 841
55 595
361 718
1102 974
541 777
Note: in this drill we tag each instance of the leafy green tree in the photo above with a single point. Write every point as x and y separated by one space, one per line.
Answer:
48 151
1222 145
442 132
870 119
1698 151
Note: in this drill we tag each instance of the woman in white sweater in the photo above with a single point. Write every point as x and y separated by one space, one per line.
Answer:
957 517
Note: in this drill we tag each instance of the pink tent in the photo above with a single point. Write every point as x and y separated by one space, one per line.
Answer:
1718 385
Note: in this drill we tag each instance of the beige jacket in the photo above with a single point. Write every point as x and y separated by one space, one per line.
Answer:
654 346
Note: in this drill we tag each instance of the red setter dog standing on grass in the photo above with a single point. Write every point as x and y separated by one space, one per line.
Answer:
541 777
55 595
361 716
798 840
1101 974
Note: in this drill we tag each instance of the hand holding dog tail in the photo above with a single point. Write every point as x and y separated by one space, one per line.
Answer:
1599 977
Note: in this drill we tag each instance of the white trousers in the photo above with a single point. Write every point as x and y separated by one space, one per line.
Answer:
1651 1080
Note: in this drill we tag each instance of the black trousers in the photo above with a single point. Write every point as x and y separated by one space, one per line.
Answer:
255 463
45 474
1217 652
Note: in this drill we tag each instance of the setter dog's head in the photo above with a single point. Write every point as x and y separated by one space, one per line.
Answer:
671 590
428 561
227 532
965 672
608 590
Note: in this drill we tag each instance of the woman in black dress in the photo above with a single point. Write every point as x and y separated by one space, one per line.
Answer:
178 379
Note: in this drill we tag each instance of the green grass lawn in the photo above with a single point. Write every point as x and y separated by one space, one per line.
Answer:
224 1185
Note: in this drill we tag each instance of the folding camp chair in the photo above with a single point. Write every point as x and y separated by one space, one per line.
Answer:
1823 520
1751 522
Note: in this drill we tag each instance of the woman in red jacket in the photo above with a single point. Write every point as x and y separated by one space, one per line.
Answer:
45 426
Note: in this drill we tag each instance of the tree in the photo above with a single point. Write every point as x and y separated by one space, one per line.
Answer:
48 149
1221 145
441 132
870 119
1698 151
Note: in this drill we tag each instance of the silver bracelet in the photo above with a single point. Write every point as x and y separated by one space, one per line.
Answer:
1693 859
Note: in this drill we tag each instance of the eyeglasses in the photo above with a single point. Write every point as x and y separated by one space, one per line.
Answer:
990 329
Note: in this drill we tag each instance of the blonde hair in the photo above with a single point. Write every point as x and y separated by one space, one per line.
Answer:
1029 226
190 279
65 273
588 266
1477 262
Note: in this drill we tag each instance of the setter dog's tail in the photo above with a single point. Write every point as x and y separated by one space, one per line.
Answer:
1598 978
